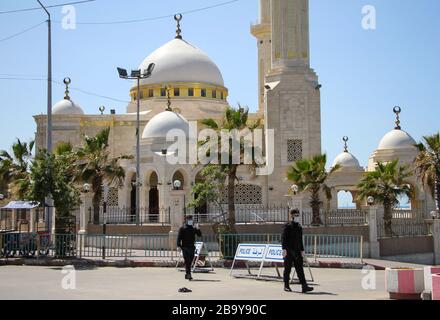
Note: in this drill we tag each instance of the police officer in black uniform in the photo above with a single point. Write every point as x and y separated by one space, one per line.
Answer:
185 241
293 251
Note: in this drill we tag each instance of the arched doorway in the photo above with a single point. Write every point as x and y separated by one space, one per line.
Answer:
153 198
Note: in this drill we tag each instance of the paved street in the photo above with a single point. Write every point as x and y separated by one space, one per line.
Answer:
25 282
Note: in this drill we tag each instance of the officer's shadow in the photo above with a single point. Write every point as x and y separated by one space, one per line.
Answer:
315 293
204 280
319 293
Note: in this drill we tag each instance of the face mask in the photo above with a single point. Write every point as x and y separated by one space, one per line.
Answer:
190 222
296 219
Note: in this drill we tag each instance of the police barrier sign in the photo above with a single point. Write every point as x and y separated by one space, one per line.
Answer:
251 252
199 246
274 253
262 253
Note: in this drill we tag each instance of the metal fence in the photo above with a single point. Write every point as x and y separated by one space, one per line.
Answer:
405 223
124 216
339 217
161 245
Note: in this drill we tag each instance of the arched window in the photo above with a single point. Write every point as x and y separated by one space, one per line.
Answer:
345 200
404 203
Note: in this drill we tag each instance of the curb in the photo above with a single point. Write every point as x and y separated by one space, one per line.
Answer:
155 264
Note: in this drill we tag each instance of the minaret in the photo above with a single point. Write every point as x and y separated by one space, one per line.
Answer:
290 33
262 31
291 103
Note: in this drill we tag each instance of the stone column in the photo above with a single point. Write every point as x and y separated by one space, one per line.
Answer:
53 222
177 199
372 227
86 204
14 219
143 194
434 225
123 197
32 219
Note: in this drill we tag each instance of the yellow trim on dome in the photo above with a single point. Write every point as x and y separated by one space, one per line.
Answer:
221 92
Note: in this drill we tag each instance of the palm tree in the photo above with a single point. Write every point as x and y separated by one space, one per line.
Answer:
53 175
233 119
95 166
386 184
14 168
310 175
427 165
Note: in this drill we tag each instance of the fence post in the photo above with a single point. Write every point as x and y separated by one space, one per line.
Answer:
372 227
315 247
81 243
435 230
362 249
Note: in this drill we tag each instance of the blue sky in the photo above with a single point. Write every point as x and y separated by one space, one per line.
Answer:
363 73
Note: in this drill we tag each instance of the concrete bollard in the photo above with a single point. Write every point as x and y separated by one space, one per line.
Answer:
436 287
404 283
429 271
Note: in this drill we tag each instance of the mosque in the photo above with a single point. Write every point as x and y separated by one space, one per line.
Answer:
289 103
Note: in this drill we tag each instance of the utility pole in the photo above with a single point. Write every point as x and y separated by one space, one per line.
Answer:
49 107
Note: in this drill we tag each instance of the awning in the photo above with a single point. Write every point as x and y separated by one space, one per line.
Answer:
21 205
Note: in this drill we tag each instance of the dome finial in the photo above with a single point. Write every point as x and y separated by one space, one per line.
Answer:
67 81
168 108
178 17
345 139
397 110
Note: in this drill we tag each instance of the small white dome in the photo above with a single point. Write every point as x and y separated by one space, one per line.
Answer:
67 107
396 139
346 160
180 61
162 123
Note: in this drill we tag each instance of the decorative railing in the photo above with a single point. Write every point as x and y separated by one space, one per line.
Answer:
404 223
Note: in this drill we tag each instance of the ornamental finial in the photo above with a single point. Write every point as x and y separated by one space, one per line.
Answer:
178 17
67 81
345 139
397 110
168 108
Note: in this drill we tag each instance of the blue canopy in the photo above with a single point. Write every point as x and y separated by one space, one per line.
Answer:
21 205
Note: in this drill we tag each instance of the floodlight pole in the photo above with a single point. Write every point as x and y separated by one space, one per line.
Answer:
137 76
138 152
49 106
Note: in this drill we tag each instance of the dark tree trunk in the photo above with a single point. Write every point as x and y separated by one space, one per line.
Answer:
315 203
231 198
387 219
96 204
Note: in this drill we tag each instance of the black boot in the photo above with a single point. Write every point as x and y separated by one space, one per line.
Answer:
188 276
307 289
287 288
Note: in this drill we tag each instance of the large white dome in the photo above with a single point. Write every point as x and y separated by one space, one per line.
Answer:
180 61
346 160
162 123
67 107
396 139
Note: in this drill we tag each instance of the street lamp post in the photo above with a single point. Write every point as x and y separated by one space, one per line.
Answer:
137 75
49 105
